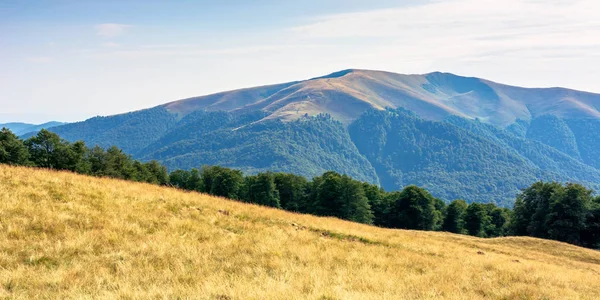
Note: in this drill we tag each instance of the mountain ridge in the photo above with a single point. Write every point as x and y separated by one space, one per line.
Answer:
432 95
305 127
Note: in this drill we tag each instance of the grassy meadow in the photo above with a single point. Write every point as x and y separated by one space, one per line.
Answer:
67 236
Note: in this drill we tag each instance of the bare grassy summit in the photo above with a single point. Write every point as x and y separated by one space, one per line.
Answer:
70 236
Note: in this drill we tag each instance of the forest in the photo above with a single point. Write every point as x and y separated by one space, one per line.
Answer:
567 212
453 157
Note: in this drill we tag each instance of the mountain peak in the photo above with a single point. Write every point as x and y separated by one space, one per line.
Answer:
346 94
337 74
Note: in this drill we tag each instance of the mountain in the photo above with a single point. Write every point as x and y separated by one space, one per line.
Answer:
24 128
345 95
461 137
459 157
144 241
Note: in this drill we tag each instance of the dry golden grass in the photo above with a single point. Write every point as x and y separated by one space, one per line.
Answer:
69 236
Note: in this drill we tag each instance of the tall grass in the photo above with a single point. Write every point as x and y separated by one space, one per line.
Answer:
70 236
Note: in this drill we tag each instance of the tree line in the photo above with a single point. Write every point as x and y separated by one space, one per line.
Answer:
564 212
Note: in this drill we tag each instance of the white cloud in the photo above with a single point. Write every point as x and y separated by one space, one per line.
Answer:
521 42
110 30
467 28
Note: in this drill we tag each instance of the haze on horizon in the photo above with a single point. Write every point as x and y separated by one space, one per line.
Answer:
71 60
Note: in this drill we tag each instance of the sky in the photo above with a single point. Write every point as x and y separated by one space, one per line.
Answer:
69 60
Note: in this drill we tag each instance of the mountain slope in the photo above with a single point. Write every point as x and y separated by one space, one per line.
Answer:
306 147
479 140
145 241
347 94
460 158
131 131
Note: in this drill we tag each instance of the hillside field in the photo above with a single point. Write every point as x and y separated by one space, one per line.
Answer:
66 236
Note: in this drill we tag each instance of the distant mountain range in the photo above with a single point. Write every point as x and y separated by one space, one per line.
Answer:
459 137
24 128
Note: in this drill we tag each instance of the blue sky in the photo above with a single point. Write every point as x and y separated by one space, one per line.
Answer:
71 60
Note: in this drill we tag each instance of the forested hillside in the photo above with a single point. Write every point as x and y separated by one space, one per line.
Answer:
460 137
131 131
565 212
306 147
455 158
460 158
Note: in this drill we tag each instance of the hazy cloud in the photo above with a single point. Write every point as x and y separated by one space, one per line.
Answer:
457 28
186 50
110 30
110 45
39 59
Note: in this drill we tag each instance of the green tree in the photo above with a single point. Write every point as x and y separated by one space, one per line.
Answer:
414 208
591 235
568 213
380 204
438 214
194 181
499 220
221 181
476 219
261 189
44 149
12 149
97 161
118 164
327 200
531 209
158 173
355 204
293 191
142 174
340 196
180 179
78 161
455 217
